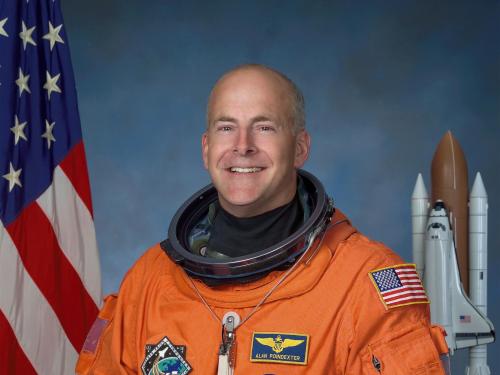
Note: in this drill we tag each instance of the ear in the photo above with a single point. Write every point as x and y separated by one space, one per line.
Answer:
204 149
302 146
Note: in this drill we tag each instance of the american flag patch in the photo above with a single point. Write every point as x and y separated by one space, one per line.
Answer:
398 285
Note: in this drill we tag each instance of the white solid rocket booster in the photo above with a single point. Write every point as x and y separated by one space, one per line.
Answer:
419 217
478 267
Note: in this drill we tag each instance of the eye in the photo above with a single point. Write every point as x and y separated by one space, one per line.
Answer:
224 128
266 128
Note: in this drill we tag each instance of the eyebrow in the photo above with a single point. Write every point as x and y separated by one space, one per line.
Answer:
226 119
261 119
255 119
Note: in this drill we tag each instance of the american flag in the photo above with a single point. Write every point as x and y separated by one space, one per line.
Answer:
465 319
399 285
50 285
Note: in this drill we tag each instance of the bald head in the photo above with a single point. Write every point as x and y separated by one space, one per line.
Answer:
262 76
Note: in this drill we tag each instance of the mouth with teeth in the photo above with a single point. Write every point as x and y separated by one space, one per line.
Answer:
245 170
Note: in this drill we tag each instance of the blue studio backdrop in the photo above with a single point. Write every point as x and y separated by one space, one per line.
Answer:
383 82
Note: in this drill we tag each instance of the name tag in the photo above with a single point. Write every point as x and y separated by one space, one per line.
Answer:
278 347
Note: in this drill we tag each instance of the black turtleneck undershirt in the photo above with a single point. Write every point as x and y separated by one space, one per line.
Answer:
237 236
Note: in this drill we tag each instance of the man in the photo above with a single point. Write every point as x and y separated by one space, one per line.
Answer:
260 274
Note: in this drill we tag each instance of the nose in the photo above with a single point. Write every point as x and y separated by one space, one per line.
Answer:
244 144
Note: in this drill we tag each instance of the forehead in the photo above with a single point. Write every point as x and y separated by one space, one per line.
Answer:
247 90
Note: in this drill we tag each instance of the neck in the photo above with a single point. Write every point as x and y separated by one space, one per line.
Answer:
237 236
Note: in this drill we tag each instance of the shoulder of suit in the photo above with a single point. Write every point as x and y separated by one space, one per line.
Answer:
346 242
152 263
359 249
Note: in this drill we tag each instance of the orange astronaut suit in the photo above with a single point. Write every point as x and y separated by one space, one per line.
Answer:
327 317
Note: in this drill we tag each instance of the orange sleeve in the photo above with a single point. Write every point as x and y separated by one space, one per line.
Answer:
395 341
107 350
110 347
97 336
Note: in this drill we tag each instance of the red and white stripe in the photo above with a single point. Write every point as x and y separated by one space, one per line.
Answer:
50 275
411 291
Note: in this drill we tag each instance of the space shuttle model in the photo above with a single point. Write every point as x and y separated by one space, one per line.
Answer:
450 251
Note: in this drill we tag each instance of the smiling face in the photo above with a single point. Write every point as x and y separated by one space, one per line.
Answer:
250 148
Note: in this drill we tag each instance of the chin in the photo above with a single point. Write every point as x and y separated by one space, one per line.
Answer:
241 199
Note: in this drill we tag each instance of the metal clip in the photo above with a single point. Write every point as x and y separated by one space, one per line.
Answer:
228 345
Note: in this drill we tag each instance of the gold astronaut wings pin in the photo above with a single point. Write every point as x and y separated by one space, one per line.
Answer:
278 344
